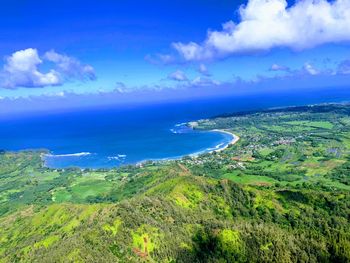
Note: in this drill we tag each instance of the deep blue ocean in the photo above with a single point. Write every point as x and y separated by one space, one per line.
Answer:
110 137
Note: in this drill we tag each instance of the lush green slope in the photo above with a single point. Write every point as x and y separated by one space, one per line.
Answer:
280 195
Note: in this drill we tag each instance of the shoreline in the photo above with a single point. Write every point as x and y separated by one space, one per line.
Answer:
235 138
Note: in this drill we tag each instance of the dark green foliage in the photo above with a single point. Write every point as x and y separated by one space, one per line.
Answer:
342 173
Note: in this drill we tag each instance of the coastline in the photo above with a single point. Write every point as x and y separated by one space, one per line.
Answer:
218 148
235 139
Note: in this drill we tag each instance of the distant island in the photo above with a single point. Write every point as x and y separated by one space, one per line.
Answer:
280 192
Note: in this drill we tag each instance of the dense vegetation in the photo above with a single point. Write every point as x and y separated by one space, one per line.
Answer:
281 194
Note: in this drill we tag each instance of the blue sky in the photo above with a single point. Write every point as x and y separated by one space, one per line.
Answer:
59 49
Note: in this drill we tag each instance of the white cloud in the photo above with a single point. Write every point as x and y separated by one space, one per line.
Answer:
204 82
70 66
178 76
310 69
21 69
266 24
203 70
59 94
277 67
160 59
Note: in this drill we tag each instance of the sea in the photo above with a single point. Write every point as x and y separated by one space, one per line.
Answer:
113 136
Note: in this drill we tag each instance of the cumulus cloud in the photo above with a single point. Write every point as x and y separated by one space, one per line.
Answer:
266 24
70 66
21 69
178 75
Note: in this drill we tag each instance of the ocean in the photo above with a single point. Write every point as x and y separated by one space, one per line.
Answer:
112 136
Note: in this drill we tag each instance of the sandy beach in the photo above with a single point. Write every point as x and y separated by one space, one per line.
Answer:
234 140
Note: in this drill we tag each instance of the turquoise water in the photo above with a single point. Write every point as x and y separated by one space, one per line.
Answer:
150 144
109 138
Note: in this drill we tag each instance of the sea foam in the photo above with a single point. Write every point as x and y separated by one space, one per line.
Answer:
69 154
119 157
